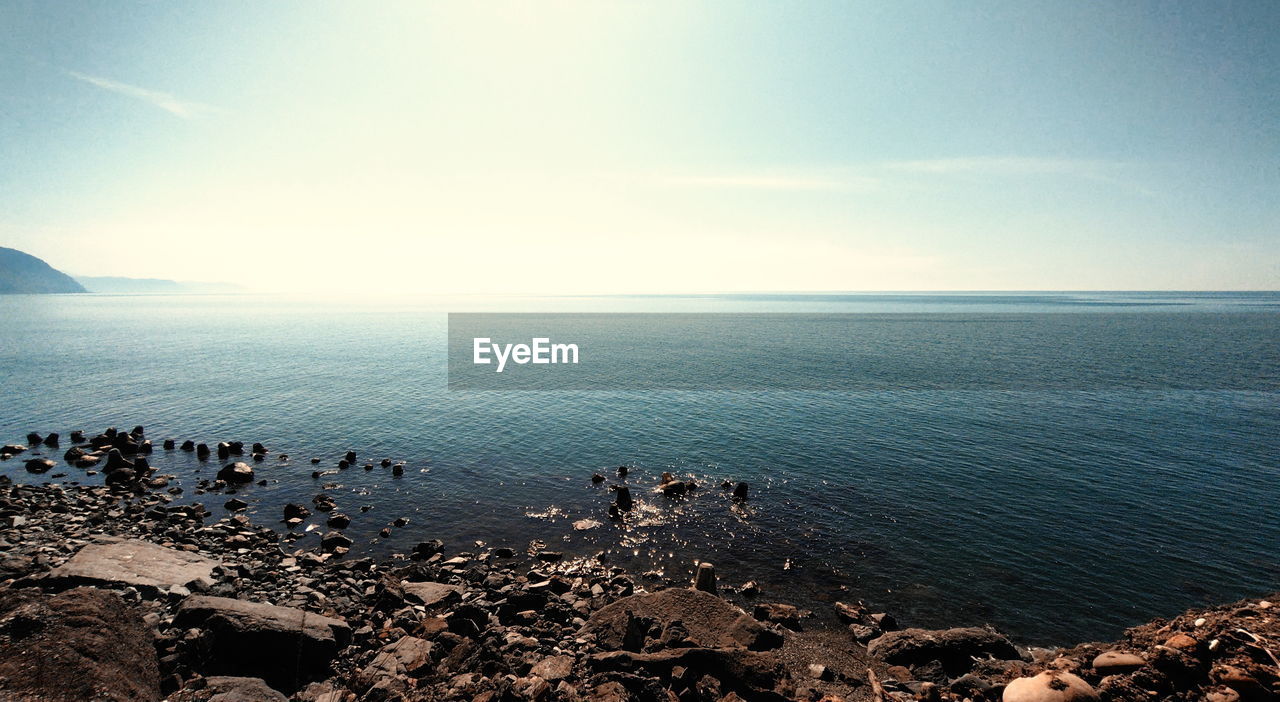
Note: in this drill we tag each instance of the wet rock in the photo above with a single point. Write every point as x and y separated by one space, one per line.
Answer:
623 499
426 549
224 450
188 446
221 688
34 439
169 444
84 644
236 473
235 504
955 649
117 461
704 578
39 465
1049 686
51 440
338 520
333 541
597 478
740 491
296 511
202 451
131 562
286 647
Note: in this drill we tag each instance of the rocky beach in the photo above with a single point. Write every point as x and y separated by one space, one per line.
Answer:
117 591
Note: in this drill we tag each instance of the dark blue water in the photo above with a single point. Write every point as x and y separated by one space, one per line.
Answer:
1056 515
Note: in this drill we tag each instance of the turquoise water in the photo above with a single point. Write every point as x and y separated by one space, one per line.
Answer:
1056 515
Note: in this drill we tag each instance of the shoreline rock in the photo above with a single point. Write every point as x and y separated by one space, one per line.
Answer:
224 609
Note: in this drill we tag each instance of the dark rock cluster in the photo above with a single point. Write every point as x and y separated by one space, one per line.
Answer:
113 592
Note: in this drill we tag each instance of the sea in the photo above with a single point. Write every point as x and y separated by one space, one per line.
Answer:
1057 465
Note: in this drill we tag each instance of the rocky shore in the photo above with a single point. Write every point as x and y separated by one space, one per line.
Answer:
116 592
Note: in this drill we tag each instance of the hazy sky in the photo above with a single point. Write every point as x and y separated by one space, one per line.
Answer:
658 146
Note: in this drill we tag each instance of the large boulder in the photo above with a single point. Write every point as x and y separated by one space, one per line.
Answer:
705 621
83 644
221 688
286 647
955 649
131 562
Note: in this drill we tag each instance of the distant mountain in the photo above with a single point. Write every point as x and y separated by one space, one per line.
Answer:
116 284
23 273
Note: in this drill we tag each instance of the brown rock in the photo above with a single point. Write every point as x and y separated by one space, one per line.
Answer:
1050 686
1113 662
83 644
407 656
1181 642
709 621
553 668
227 689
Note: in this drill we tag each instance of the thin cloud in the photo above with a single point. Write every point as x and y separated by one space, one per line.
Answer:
1001 165
173 105
755 182
1095 170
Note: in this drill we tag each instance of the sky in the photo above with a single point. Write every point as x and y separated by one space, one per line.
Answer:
615 147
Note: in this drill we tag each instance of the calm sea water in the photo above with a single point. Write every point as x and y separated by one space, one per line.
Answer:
1054 514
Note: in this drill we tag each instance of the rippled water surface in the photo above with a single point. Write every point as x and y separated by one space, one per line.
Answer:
1056 515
